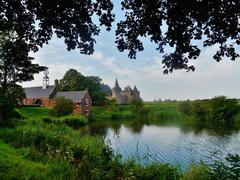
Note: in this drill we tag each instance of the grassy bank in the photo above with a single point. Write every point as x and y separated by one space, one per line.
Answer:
42 147
36 149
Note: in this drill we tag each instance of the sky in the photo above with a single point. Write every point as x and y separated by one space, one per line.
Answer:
146 71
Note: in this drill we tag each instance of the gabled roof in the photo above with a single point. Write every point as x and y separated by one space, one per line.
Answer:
73 95
39 92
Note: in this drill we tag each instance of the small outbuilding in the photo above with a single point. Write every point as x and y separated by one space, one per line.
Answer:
45 96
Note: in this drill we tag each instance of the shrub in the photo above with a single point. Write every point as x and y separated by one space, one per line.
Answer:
224 109
137 107
62 107
112 105
9 99
202 110
185 107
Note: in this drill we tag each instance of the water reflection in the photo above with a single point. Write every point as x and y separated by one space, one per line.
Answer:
175 142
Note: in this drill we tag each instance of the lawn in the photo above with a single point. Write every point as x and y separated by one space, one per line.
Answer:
34 112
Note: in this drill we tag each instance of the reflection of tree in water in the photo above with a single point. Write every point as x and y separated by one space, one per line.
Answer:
97 129
136 126
211 128
101 129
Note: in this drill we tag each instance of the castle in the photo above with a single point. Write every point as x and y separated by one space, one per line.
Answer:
124 96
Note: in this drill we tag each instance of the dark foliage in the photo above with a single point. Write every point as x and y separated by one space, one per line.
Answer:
15 66
228 170
183 25
224 109
36 21
15 63
9 99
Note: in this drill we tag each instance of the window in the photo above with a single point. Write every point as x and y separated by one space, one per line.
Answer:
86 111
86 102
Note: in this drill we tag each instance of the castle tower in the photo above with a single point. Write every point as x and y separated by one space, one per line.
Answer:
136 92
116 92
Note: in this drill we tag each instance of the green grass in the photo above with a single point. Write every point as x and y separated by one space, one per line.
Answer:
42 147
34 112
42 113
15 165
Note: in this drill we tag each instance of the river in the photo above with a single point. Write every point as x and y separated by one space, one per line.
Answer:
176 144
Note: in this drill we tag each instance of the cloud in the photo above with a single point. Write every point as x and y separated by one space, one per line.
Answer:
209 79
112 64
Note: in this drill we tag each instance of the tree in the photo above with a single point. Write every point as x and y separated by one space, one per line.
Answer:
15 66
75 81
36 21
137 106
72 81
93 84
224 109
183 25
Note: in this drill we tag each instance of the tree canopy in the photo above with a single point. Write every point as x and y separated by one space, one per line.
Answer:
185 26
36 21
15 63
15 66
75 81
189 24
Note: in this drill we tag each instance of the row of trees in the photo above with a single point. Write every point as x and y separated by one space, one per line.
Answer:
219 110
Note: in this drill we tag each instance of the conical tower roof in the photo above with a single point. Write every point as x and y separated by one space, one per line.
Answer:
116 84
117 87
135 88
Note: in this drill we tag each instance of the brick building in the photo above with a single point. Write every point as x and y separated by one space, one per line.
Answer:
45 96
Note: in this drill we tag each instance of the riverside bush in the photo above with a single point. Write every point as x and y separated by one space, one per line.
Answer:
62 107
224 110
185 107
219 110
